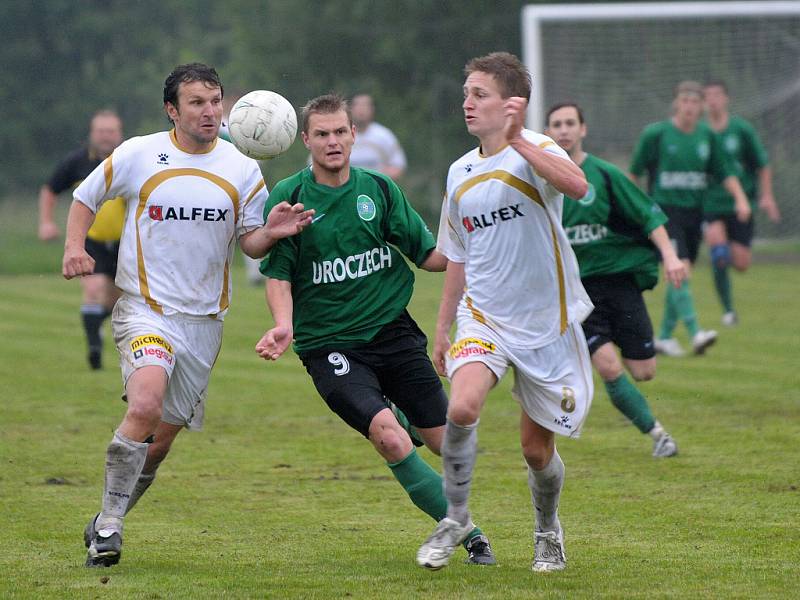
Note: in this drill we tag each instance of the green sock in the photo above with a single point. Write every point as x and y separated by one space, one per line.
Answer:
630 402
722 282
670 314
684 304
424 486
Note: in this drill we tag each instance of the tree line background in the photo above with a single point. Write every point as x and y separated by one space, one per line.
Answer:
64 59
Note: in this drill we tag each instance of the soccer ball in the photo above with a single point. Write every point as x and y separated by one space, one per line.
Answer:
262 124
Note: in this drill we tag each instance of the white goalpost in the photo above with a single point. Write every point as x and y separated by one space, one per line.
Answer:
621 62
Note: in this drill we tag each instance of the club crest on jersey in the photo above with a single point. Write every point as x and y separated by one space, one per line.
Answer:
507 213
365 207
589 197
703 150
731 143
157 213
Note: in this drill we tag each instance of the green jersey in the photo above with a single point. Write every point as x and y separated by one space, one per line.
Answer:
348 277
745 152
608 228
680 166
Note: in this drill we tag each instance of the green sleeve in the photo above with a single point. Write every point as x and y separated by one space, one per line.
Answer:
719 164
405 229
756 155
645 155
637 206
281 261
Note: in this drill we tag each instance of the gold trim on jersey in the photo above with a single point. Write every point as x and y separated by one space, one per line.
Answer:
531 192
476 314
252 194
499 150
546 143
144 194
108 172
174 138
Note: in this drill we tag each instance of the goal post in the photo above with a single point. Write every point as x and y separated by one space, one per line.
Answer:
621 62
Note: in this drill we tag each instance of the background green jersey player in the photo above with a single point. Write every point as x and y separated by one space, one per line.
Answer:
680 156
729 238
615 230
341 292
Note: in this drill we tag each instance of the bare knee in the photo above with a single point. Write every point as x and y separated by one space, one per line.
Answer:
537 455
389 439
538 443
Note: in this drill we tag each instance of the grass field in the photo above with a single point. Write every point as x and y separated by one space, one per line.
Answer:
278 499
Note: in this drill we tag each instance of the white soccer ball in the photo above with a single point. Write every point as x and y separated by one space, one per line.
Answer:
262 124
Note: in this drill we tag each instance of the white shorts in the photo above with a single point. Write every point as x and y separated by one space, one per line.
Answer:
185 346
553 384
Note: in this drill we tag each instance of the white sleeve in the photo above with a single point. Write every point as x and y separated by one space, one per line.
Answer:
450 240
397 158
106 181
547 191
254 197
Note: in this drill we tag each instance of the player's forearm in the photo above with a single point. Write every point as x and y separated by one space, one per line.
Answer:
79 220
734 188
47 204
765 181
436 262
279 300
660 240
561 173
257 243
454 281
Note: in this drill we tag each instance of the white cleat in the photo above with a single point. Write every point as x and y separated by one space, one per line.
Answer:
703 339
665 447
730 319
669 347
548 551
439 547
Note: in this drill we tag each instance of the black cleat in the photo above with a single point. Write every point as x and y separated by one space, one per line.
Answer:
480 552
104 551
95 360
89 531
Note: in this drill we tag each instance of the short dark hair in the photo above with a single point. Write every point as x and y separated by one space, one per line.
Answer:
186 74
688 87
561 105
716 83
508 71
105 112
325 105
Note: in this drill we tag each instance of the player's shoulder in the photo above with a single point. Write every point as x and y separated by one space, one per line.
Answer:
656 128
285 187
741 124
76 155
544 142
378 129
593 161
465 161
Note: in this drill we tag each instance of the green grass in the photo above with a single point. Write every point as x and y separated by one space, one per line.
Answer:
278 499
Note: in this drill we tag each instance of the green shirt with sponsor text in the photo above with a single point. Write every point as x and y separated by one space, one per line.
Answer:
608 228
348 275
680 166
741 145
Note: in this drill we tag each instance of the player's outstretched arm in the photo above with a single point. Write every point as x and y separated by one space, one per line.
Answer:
275 341
766 201
674 269
48 230
454 281
284 220
741 205
561 173
436 262
76 261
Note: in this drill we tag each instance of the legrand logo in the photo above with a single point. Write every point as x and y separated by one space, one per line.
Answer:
471 346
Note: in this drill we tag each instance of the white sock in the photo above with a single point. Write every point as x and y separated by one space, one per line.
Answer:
459 449
124 463
545 486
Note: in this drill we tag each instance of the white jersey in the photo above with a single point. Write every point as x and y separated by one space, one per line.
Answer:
503 221
375 147
184 214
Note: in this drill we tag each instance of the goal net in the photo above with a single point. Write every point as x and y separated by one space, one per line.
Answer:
620 62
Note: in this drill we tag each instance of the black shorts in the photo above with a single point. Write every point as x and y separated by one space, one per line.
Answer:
104 255
395 364
685 230
619 316
741 233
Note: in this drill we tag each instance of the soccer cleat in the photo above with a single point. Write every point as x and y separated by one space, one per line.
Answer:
440 545
105 546
95 360
669 347
480 551
730 318
665 447
404 423
703 339
548 551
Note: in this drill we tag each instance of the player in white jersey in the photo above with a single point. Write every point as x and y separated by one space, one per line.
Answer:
189 198
376 147
513 286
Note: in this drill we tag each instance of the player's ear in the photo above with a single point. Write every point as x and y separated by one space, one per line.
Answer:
304 136
171 110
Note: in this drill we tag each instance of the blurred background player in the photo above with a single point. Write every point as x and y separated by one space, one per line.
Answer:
680 156
340 290
189 195
251 265
729 238
513 287
102 239
376 147
615 230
